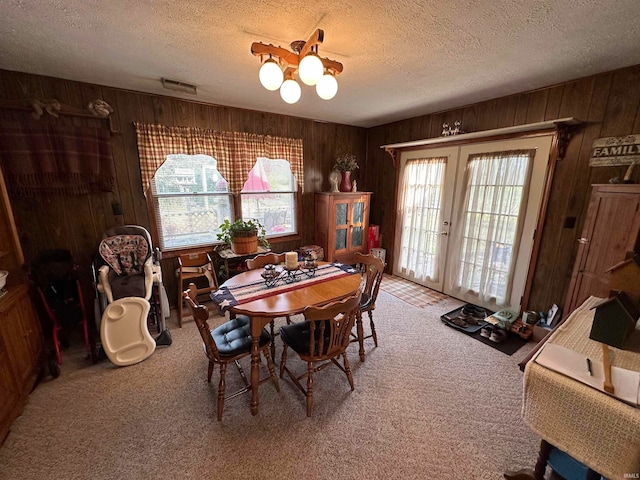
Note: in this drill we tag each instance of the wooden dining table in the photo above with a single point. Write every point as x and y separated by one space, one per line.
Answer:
266 303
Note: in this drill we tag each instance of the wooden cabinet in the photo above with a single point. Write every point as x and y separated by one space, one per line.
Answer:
612 228
21 343
342 224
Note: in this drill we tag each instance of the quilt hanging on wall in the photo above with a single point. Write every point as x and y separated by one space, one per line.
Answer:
43 160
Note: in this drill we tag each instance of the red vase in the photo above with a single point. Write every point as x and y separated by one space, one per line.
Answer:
345 183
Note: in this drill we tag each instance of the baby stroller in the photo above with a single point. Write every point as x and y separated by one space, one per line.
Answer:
129 267
53 273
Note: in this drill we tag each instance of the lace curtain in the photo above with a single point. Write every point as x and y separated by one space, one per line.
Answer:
420 217
495 197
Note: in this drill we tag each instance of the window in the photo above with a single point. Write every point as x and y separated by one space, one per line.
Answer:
191 199
190 195
269 196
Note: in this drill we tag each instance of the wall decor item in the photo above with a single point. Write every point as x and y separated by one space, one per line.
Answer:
334 180
346 163
447 130
612 151
55 160
345 183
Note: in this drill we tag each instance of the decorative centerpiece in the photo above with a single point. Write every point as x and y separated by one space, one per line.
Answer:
345 164
293 271
291 261
242 236
334 180
270 272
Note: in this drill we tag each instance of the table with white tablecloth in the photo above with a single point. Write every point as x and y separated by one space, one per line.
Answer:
597 429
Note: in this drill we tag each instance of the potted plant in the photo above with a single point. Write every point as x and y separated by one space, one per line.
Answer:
242 236
345 164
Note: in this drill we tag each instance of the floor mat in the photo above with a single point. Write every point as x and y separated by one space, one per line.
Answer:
410 292
509 346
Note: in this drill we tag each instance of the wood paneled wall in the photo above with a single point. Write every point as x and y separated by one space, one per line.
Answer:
77 223
608 104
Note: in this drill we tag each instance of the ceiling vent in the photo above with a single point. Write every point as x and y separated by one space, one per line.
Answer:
179 86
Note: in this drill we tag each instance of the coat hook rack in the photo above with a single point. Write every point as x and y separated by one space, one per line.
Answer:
95 109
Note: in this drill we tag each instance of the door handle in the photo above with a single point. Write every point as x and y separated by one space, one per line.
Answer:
444 234
583 240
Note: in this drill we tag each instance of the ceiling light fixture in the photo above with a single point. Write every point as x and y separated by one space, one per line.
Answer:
304 59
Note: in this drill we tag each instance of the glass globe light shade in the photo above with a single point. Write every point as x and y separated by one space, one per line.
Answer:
327 86
290 91
310 69
271 75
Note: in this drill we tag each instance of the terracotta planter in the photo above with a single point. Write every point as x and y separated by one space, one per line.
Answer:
345 183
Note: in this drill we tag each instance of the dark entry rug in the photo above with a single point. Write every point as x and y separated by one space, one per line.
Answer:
509 346
469 312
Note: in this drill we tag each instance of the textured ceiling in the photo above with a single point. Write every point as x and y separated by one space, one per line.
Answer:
401 58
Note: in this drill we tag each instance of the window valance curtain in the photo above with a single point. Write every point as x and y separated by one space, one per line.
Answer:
41 160
236 152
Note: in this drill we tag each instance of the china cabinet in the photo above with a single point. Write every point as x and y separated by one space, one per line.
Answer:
342 223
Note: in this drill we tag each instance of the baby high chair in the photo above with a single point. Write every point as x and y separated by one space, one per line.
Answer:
132 269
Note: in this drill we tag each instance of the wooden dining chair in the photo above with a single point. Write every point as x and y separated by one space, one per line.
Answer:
372 270
259 261
320 340
227 343
190 267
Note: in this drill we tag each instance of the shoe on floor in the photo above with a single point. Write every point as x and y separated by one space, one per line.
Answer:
486 331
498 335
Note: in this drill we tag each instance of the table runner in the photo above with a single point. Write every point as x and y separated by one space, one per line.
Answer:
227 297
594 428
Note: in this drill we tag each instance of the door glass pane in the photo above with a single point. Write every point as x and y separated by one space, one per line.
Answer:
358 212
341 214
356 237
494 199
421 207
341 239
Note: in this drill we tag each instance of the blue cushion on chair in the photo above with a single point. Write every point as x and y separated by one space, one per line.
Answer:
234 337
365 301
297 336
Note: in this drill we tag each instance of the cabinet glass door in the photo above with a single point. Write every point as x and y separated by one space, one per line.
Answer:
356 231
342 223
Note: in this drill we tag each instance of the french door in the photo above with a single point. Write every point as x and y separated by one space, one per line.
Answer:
425 200
466 217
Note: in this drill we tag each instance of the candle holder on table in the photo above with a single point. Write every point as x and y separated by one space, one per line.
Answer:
288 274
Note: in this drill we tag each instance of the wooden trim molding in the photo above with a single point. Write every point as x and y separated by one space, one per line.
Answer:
483 134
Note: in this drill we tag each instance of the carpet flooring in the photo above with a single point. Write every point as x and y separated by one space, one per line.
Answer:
422 297
425 406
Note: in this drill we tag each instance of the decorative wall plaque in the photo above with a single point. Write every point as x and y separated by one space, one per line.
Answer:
611 151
